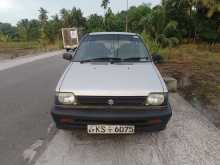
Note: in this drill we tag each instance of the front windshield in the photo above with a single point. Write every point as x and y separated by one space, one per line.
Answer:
105 47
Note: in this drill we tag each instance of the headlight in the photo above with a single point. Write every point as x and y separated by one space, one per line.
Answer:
155 99
66 98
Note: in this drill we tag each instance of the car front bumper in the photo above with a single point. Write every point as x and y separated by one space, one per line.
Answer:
152 118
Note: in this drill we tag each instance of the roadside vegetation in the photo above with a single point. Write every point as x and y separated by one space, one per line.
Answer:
13 49
166 25
197 69
185 32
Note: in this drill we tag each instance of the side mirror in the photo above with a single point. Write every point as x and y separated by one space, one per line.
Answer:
68 56
71 49
157 58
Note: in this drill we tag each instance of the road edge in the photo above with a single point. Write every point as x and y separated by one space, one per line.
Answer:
52 131
7 64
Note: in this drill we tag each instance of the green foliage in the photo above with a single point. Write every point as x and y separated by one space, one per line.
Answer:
192 17
211 6
138 18
162 31
95 23
152 45
50 32
3 38
28 30
7 32
165 25
105 4
113 22
207 29
72 18
43 15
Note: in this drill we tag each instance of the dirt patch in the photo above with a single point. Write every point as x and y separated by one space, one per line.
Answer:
197 70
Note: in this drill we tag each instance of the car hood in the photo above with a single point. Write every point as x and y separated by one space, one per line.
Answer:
105 79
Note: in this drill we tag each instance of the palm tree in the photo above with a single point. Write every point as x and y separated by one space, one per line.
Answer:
77 18
65 17
23 28
212 6
43 15
161 31
105 4
72 18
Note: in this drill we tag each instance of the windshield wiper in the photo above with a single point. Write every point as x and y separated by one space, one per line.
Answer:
102 59
136 59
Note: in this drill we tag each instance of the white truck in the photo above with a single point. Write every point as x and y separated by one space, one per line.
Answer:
70 38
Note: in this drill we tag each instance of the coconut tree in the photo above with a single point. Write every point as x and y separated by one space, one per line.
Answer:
72 18
212 6
104 5
159 28
43 15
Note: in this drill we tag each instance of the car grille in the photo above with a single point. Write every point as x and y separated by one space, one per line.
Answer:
111 100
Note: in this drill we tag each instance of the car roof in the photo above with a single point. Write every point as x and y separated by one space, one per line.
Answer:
113 33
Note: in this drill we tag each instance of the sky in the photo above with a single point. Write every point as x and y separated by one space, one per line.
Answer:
12 11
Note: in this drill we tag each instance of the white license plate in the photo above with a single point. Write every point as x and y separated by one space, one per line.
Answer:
110 129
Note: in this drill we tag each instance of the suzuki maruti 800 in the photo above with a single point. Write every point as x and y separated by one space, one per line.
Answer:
111 86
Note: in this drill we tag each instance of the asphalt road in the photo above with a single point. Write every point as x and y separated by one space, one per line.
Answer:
26 96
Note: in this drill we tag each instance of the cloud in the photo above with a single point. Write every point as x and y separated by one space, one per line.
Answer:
6 5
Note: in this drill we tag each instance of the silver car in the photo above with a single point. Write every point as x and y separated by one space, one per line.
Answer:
111 86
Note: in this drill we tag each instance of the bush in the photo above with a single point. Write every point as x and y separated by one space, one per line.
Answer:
152 45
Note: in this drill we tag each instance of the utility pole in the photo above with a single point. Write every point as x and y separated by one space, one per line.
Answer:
127 18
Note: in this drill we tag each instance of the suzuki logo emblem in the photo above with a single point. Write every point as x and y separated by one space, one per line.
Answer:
110 102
